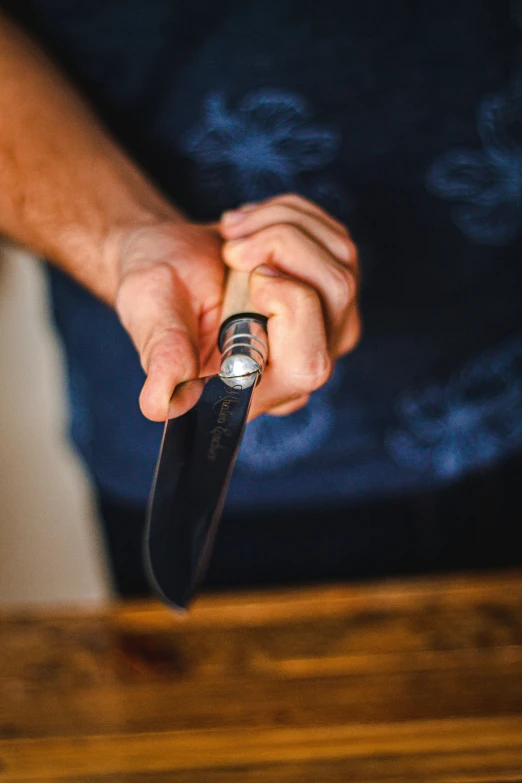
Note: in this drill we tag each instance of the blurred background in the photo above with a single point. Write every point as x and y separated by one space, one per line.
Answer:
50 546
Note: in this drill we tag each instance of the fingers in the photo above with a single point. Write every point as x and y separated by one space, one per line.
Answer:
290 200
306 281
299 359
152 306
331 235
296 254
169 300
303 241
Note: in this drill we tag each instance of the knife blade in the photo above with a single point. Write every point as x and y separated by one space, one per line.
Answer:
201 440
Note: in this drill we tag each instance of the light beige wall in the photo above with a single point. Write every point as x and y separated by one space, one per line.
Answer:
50 550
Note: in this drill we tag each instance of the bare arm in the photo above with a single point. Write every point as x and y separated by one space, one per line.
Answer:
69 193
66 190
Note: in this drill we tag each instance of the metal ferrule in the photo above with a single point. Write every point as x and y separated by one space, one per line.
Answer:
244 349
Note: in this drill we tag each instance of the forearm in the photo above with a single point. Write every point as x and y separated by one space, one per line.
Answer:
66 190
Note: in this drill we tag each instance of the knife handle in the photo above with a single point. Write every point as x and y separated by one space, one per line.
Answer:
243 337
237 294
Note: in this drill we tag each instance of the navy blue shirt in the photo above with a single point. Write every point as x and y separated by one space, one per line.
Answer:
402 119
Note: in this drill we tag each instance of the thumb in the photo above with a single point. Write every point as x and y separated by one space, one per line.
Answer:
170 359
155 308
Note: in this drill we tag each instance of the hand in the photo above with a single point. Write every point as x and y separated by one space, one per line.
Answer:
304 277
169 298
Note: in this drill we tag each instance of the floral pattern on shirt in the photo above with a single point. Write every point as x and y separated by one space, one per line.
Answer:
261 147
487 183
468 423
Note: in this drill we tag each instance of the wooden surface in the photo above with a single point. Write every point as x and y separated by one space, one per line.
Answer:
399 681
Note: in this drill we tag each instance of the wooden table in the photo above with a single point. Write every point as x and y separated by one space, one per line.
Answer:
399 681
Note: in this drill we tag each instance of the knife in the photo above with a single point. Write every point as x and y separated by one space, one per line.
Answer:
200 444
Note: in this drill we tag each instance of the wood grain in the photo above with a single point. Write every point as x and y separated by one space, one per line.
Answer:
237 295
167 751
403 681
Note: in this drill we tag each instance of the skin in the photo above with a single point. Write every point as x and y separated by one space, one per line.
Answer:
70 194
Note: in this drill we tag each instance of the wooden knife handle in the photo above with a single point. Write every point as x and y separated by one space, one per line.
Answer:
243 333
237 295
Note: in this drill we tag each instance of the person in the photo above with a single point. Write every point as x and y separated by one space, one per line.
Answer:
147 146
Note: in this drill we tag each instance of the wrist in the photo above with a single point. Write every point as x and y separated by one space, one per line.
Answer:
90 247
99 246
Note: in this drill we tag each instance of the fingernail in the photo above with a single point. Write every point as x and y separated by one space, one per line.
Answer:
247 207
232 217
269 271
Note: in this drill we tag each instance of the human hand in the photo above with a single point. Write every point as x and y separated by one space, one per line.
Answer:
304 277
169 296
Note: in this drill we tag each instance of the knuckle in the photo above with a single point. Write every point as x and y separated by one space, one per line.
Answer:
284 234
314 374
302 298
277 212
343 288
234 252
159 276
351 250
352 336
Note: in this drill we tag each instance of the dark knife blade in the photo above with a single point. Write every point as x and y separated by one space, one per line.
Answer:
196 461
199 448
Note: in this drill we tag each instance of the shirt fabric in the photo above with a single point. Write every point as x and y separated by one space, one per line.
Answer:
401 119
